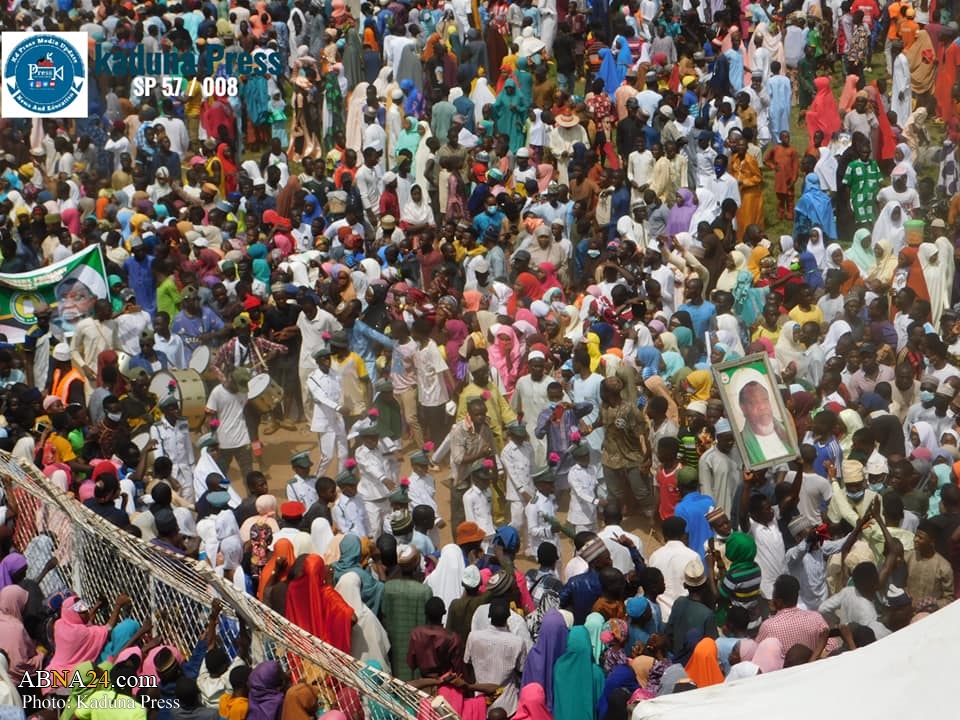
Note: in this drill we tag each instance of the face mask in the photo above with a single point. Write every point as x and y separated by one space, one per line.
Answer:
857 496
115 417
926 397
492 210
553 405
593 253
877 487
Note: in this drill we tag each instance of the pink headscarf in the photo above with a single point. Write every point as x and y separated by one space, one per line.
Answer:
149 667
75 641
506 356
70 217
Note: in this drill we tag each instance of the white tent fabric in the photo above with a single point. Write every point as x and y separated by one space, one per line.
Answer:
916 656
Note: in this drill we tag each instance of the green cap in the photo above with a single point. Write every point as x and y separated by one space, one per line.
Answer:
301 459
208 440
369 431
516 428
544 475
483 469
399 497
346 478
580 450
322 353
420 457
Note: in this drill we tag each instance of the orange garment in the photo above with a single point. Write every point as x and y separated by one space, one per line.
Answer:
908 32
853 276
785 161
282 549
893 11
704 667
317 608
61 383
946 79
915 279
750 180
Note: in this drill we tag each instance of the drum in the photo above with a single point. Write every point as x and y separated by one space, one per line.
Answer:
189 390
264 393
202 362
141 439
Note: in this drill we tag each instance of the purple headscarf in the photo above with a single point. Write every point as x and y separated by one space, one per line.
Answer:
678 220
10 566
266 691
551 644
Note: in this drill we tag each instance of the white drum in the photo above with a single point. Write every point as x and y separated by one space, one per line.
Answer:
189 389
264 393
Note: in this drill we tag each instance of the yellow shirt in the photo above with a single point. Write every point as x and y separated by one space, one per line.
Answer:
814 314
762 332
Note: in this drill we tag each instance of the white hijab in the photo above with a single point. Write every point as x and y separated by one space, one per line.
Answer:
481 95
321 534
886 228
707 209
788 254
445 580
368 639
837 330
935 275
816 247
788 350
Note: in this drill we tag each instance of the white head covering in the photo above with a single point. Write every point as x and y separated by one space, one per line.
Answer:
445 580
321 534
741 670
788 350
837 330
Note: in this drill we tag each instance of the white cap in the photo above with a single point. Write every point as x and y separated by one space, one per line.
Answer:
389 177
722 426
523 152
61 352
536 355
877 464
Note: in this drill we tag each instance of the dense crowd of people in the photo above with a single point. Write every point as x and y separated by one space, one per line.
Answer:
500 248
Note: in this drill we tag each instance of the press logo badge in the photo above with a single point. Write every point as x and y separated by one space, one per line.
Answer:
44 74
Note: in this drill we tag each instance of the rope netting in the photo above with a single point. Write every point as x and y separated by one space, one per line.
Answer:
98 560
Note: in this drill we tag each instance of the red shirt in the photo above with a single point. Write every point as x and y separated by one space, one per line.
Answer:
669 494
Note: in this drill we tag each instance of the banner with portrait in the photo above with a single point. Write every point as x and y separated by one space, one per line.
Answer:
70 287
763 430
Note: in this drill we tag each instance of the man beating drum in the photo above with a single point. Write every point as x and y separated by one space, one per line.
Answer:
254 353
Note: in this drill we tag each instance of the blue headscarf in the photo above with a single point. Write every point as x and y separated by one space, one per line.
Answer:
608 72
649 358
121 634
317 210
816 205
810 270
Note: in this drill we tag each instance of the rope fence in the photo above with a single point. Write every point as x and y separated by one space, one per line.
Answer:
96 559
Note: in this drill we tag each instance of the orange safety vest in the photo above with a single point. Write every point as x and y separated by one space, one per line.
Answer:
61 384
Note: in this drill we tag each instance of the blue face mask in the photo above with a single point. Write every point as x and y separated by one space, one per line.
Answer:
926 397
492 210
593 253
877 487
857 496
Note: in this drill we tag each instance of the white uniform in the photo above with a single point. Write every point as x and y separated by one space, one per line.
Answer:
173 441
348 515
374 474
477 508
583 498
517 461
327 394
302 490
423 491
539 511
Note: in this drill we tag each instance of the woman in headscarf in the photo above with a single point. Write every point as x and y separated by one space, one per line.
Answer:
368 639
889 225
814 209
823 113
861 252
935 275
851 422
506 355
736 265
351 552
355 106
789 348
769 655
881 274
300 702
551 644
837 330
265 688
903 156
17 644
753 262
700 383
910 274
315 606
703 668
122 635
837 261
577 680
681 213
276 571
849 93
510 114
923 70
481 96
75 640
334 125
532 704
915 132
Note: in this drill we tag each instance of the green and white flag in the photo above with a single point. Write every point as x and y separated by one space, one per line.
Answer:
70 287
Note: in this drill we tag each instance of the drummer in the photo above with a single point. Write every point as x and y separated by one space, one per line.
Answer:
301 487
196 324
172 437
149 358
